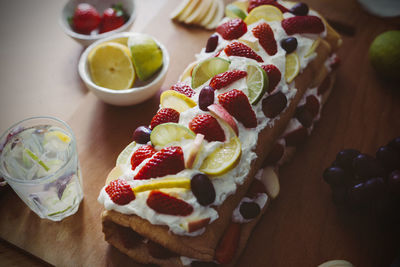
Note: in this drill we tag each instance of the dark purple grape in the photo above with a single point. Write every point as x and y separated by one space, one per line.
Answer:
274 104
395 143
366 166
357 194
339 195
142 135
304 116
203 189
212 43
345 158
249 210
374 188
206 97
289 44
299 9
336 176
394 182
389 157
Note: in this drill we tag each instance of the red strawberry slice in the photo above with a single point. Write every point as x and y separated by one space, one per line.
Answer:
164 115
226 78
120 192
169 160
296 137
274 76
256 187
265 36
303 24
274 104
238 105
166 204
85 18
256 3
228 244
232 29
312 105
141 154
241 50
113 18
208 126
274 155
183 88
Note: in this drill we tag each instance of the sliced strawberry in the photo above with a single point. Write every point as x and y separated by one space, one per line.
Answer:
335 62
158 251
169 160
296 137
256 3
226 78
241 50
85 18
141 154
312 105
113 18
274 76
228 244
265 36
120 192
274 155
303 24
304 116
232 29
197 224
208 126
167 204
238 105
256 187
183 88
164 115
274 104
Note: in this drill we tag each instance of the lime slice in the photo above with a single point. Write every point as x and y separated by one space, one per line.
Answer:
233 11
313 47
36 158
111 66
266 12
177 101
257 83
125 156
167 133
243 5
207 69
292 67
176 182
223 159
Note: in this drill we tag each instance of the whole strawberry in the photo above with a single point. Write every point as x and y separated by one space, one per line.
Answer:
166 204
208 126
274 76
265 36
164 115
85 18
183 88
238 105
241 50
303 24
141 154
224 79
232 29
120 192
113 18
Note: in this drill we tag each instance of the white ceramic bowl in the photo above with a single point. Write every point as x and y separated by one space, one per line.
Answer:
140 92
100 5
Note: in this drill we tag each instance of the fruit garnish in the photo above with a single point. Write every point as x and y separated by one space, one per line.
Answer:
212 43
274 76
207 69
208 126
292 67
273 105
194 150
243 5
265 36
85 18
266 12
228 244
256 3
249 210
141 154
120 192
203 189
167 204
114 174
256 187
111 66
270 181
187 73
299 9
34 157
296 137
206 97
226 78
143 48
223 159
221 113
313 47
167 161
232 29
198 13
289 44
164 115
175 182
193 226
303 24
142 134
170 132
233 11
177 101
125 156
113 18
238 105
257 83
57 134
274 155
241 50
183 88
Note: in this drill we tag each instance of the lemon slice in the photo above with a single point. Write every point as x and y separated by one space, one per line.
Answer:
167 133
178 182
125 156
111 66
207 69
292 67
266 12
233 11
147 56
257 83
223 159
114 174
313 47
175 100
58 134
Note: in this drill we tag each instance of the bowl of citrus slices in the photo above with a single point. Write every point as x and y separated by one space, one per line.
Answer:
117 69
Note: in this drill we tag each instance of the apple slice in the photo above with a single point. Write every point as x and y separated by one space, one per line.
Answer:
197 225
194 150
271 182
179 9
191 5
210 14
222 114
218 15
199 12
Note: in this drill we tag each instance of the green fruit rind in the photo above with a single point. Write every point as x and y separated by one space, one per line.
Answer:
255 94
170 132
207 69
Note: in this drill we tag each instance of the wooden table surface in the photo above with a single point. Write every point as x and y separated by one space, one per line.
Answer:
302 227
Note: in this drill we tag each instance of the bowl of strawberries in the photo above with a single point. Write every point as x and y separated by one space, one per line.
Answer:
89 20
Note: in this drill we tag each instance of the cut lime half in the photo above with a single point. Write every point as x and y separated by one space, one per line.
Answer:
233 11
207 69
170 132
257 83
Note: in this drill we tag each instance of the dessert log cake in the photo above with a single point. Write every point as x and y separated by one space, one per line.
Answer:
193 184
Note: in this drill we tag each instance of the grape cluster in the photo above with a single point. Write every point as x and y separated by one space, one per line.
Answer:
360 180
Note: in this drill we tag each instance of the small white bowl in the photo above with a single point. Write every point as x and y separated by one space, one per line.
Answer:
140 91
100 5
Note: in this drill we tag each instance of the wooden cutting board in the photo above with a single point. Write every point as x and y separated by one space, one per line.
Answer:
302 227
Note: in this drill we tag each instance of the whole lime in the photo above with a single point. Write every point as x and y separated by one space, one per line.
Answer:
384 54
